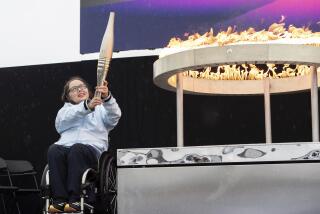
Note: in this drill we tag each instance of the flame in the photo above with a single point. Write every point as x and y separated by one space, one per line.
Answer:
277 32
250 72
282 18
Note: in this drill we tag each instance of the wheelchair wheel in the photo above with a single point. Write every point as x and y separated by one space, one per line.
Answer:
45 189
108 183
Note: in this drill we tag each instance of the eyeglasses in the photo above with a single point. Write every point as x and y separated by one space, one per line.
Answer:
77 88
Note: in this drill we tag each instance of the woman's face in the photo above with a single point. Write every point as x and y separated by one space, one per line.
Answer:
78 91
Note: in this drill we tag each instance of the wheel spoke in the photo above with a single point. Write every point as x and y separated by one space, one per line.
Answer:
112 179
112 183
113 199
115 207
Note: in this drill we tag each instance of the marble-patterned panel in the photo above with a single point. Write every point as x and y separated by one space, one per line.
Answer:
219 154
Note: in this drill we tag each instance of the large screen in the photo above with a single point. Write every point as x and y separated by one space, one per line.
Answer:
149 24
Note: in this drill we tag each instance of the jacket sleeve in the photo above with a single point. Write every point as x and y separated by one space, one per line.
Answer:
113 113
70 115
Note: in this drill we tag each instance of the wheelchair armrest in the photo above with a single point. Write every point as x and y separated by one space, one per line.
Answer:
90 175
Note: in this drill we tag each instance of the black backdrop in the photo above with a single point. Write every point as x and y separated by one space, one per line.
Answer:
30 100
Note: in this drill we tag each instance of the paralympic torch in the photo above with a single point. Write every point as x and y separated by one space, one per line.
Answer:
105 55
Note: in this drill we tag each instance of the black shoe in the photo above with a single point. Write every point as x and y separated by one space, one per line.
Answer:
56 207
73 207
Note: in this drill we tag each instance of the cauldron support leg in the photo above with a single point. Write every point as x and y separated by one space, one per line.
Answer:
314 104
267 110
179 88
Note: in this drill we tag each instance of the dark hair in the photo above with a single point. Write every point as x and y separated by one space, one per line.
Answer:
65 92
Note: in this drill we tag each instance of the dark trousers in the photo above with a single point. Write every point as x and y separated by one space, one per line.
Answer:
66 166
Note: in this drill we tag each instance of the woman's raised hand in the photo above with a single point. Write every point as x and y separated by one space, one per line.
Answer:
104 90
94 102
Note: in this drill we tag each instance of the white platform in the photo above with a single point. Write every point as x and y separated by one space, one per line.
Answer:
248 179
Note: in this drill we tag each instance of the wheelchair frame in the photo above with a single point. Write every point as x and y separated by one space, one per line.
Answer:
105 180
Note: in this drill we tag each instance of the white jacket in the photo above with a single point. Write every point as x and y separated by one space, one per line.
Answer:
77 124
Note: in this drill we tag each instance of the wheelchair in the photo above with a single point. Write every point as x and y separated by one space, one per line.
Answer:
102 181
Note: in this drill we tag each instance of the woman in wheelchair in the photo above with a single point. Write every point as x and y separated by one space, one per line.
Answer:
84 125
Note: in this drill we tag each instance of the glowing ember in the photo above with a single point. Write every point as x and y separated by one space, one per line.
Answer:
276 33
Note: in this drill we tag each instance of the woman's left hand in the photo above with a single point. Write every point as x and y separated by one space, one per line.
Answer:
103 89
